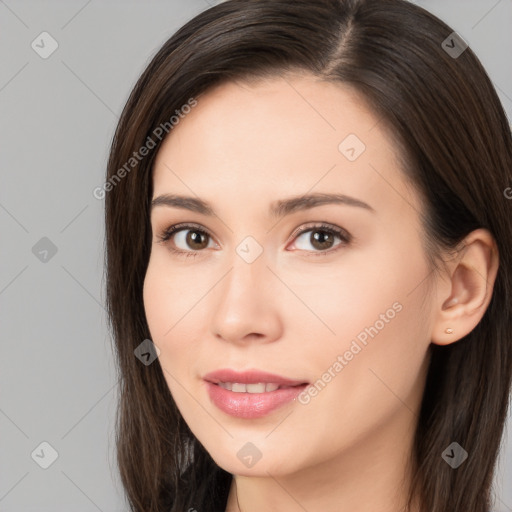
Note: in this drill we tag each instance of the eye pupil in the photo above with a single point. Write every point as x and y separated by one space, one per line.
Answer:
195 238
322 238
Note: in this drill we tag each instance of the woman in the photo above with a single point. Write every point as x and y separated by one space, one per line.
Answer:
309 264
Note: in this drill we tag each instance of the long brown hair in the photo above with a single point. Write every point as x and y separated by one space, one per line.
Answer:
456 146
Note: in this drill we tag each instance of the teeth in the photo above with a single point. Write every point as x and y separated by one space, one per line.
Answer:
238 387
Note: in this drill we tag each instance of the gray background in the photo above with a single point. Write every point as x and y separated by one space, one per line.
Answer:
57 378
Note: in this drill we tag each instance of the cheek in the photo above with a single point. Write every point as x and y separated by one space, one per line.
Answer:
162 304
156 301
374 299
164 301
375 363
173 302
363 289
168 294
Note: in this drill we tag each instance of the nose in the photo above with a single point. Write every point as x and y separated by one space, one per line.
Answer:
246 307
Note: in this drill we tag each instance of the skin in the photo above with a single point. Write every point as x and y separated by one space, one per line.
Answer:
292 312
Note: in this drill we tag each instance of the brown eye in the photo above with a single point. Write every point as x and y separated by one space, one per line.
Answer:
321 239
191 239
196 239
183 238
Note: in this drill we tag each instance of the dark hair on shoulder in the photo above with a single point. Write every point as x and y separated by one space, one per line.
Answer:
455 141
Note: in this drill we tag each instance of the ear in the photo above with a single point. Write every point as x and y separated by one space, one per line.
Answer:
464 298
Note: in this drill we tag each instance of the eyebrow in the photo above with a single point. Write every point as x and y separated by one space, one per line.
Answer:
278 208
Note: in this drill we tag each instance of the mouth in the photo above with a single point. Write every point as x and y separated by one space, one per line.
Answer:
251 394
260 387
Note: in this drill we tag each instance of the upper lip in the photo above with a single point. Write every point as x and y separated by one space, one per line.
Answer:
249 377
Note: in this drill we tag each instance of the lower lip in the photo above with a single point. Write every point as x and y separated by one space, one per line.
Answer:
251 405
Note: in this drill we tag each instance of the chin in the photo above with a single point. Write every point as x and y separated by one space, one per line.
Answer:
244 459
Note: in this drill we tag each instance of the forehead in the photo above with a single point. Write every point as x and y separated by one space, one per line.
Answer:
287 135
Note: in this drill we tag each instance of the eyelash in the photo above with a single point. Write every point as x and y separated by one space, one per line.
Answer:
341 233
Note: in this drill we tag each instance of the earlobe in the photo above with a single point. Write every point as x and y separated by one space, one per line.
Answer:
471 282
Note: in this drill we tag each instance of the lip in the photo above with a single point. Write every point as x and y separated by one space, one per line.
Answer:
251 405
249 377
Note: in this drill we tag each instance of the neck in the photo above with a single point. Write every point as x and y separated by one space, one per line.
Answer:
372 474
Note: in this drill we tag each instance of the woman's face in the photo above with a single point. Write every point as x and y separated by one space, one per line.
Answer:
341 308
